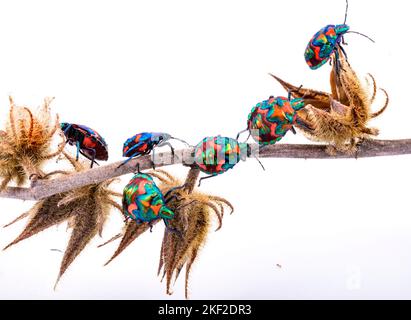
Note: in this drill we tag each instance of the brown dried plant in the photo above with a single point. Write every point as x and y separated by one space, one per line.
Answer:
85 209
339 118
193 219
26 143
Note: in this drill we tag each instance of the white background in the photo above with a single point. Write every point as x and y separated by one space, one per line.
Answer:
340 229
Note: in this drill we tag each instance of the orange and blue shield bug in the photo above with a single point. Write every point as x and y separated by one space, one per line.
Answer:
325 43
144 143
89 143
216 155
143 201
270 120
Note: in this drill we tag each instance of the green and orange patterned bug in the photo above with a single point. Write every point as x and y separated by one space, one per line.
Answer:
270 120
143 201
216 155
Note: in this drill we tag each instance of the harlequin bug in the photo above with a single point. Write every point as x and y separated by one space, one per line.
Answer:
88 142
144 143
216 155
325 43
144 202
270 120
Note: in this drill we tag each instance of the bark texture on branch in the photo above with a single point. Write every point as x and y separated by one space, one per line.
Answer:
46 188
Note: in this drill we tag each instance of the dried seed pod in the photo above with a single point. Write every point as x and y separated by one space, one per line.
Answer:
26 143
85 209
339 118
192 220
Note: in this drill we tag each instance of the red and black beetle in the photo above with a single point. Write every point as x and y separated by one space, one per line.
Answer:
88 142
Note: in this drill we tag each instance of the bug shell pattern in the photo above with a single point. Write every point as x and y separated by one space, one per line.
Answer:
340 118
88 138
143 200
323 44
216 155
139 144
270 120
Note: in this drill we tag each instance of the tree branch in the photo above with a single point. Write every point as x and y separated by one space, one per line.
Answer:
45 188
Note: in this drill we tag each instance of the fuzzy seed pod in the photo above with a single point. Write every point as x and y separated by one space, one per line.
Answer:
339 118
188 231
26 143
85 209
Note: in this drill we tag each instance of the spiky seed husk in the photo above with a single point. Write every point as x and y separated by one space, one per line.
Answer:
25 144
341 117
85 209
191 224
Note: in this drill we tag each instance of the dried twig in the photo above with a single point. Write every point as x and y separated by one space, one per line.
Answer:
46 188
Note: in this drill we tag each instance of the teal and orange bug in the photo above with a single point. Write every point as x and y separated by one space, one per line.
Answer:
143 143
216 155
326 42
143 201
270 120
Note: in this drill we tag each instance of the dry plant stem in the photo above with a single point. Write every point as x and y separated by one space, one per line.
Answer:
31 170
191 180
47 188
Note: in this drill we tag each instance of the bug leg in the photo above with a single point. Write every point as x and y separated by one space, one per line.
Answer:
291 91
343 51
240 133
293 130
171 148
174 189
173 197
337 60
78 150
92 160
138 168
153 161
86 156
208 177
129 159
92 157
259 161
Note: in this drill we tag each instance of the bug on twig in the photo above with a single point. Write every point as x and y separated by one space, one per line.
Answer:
88 142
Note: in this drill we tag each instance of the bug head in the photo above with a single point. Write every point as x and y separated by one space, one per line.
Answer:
166 213
164 136
342 29
297 103
159 137
65 126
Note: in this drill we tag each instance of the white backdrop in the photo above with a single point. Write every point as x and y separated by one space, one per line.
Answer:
340 229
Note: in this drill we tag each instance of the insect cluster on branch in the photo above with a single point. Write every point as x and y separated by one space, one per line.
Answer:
340 118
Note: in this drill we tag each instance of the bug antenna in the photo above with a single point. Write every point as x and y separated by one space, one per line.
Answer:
186 143
362 34
346 12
